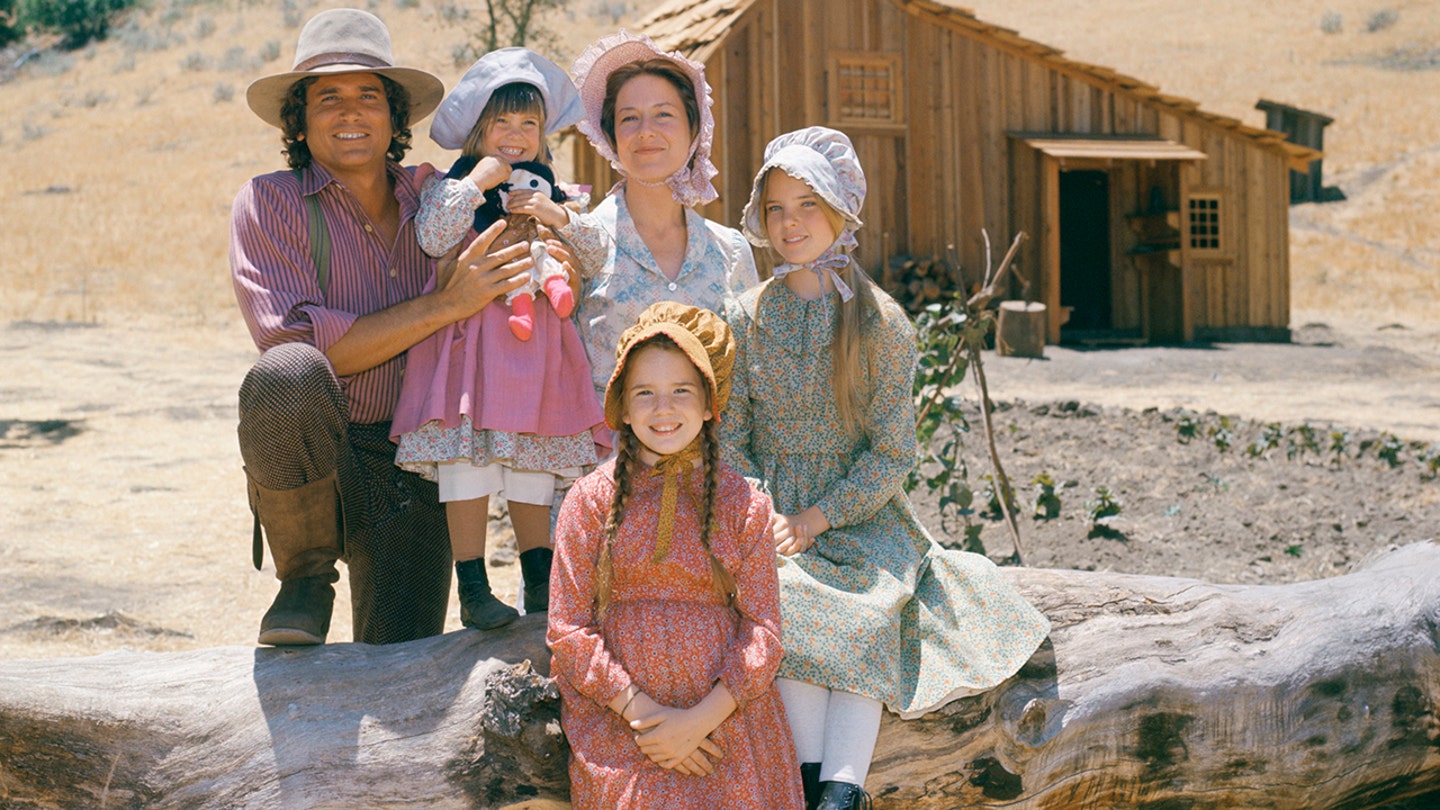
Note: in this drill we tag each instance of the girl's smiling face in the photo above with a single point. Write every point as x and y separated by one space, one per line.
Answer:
665 400
514 137
795 219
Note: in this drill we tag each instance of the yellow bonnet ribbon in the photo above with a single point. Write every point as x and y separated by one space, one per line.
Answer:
674 467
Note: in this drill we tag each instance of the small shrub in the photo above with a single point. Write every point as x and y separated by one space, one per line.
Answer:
291 14
1389 450
204 27
1047 503
1104 507
32 132
610 10
1381 20
1330 23
269 52
1339 445
51 63
144 96
1223 434
1187 427
235 59
223 93
407 4
195 62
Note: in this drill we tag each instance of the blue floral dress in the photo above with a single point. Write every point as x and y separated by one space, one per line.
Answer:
622 277
875 607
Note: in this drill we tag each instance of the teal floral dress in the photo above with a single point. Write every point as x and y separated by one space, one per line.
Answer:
875 606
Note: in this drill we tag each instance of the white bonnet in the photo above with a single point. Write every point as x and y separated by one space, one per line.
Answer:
824 160
461 109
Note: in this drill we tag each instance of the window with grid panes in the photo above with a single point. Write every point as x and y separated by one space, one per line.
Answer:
865 89
1203 223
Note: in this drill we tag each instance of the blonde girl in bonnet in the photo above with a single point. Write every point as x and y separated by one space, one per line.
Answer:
822 417
664 621
648 113
486 408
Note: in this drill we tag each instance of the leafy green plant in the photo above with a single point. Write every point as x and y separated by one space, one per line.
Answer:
1187 427
1101 509
1270 437
1390 448
1301 440
1047 503
1430 459
1339 446
940 369
1223 433
1294 550
512 23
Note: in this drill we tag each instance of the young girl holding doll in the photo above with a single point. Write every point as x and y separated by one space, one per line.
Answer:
486 408
665 623
876 614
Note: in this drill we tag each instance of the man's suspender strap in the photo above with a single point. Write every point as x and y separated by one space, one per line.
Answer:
319 237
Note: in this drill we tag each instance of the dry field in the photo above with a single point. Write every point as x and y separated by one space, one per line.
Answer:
122 520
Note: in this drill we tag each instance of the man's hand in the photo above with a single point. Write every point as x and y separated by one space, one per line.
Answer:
474 277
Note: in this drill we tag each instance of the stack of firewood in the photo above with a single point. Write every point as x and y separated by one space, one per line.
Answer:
918 282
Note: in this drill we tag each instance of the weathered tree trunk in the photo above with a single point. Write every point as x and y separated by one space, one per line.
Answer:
1153 692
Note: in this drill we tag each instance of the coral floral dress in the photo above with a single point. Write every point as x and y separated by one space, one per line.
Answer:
669 633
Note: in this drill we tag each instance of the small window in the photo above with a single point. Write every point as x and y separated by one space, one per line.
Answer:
1203 221
865 89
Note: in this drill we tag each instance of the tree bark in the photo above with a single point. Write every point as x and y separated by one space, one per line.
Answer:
1152 692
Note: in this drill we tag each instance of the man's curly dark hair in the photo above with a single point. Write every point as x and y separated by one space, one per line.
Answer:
292 116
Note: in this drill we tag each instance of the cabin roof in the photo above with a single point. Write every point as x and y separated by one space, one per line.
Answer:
697 27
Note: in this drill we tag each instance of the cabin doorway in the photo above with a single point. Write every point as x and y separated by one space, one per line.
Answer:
1085 276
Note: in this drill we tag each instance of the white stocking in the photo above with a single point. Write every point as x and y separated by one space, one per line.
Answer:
852 723
806 705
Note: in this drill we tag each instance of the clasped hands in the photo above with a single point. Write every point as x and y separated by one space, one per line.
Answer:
679 739
795 533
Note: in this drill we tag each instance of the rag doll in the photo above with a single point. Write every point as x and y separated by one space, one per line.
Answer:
547 274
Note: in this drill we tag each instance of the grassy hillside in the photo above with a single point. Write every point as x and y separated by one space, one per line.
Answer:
119 161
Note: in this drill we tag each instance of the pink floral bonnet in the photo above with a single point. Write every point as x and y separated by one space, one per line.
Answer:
691 184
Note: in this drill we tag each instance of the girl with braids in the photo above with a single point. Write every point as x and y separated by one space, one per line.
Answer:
875 613
664 617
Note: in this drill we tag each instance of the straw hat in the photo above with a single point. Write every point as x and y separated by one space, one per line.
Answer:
702 335
343 40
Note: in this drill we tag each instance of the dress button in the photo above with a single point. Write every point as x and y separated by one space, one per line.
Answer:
673 285
394 271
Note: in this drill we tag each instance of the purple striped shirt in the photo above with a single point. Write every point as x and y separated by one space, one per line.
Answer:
275 279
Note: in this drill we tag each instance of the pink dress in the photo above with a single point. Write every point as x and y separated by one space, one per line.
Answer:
667 631
475 391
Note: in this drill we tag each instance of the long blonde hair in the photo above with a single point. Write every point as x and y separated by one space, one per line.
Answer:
627 462
847 351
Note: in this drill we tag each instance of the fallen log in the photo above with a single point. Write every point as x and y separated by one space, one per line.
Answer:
1152 692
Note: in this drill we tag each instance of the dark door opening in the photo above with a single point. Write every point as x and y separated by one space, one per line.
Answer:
1085 251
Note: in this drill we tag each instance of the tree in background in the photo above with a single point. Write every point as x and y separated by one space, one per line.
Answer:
507 23
78 20
10 28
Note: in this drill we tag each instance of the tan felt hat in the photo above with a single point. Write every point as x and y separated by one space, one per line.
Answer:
344 40
702 335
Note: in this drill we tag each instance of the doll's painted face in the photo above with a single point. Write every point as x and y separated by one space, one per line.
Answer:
665 400
796 219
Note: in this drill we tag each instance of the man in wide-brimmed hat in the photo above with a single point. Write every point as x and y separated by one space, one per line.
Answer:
332 284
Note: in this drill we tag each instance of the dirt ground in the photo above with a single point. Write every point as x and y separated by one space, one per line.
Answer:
123 522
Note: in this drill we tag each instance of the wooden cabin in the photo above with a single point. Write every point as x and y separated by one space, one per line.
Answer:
1306 128
1150 220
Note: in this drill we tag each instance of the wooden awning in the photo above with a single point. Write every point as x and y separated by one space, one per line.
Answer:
1090 147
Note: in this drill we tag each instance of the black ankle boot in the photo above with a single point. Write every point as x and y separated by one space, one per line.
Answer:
842 796
810 781
478 606
535 570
